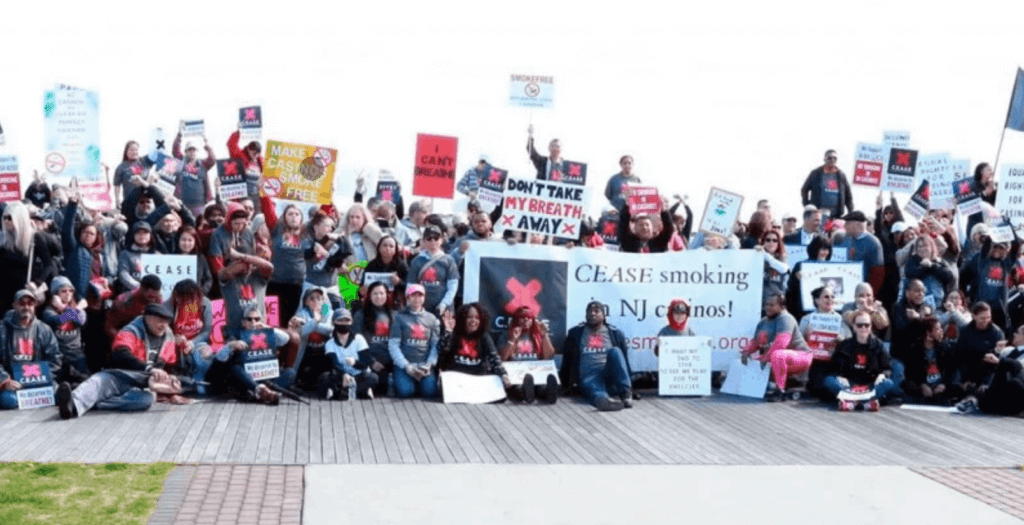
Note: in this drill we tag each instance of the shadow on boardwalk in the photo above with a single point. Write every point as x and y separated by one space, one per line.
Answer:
715 430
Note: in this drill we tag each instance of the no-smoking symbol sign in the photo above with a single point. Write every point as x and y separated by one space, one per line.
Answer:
55 162
532 90
272 187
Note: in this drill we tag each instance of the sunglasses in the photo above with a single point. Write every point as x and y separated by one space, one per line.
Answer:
253 319
7 218
771 240
863 325
832 157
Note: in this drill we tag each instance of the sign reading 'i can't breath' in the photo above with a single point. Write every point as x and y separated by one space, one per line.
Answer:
434 174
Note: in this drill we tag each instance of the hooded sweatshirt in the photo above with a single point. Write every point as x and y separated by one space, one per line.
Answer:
66 324
129 262
673 329
18 344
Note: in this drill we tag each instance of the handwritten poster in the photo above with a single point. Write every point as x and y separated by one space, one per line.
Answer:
434 171
684 366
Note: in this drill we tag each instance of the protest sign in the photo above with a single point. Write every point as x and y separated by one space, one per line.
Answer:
544 207
434 172
896 139
388 190
608 229
36 384
192 128
968 202
999 227
841 277
378 277
531 91
261 357
795 253
467 388
720 212
868 162
299 172
10 183
171 269
839 254
158 141
823 334
72 143
749 380
231 173
219 315
900 173
937 170
2 139
569 172
539 369
492 189
250 124
1010 194
684 366
917 206
643 200
723 288
166 170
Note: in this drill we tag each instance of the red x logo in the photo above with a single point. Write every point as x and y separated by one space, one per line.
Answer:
417 331
595 341
385 195
230 168
495 176
608 228
507 219
926 192
31 371
259 341
250 114
903 159
574 170
523 295
382 328
26 349
569 229
965 188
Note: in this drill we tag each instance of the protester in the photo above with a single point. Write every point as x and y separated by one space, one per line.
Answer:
312 326
289 241
352 374
132 170
129 305
129 262
977 340
65 315
24 339
860 361
118 390
550 167
990 274
410 229
865 302
827 189
929 365
469 184
614 191
467 348
639 235
413 346
594 359
863 247
325 257
435 271
227 372
243 275
252 162
678 315
527 339
776 269
21 243
931 270
778 341
188 244
191 181
192 325
389 260
373 322
1004 392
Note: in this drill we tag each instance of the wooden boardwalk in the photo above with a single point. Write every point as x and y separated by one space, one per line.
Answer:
718 430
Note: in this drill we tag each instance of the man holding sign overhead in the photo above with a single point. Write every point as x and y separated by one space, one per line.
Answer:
550 167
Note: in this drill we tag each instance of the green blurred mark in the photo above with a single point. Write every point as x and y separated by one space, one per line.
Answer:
49 103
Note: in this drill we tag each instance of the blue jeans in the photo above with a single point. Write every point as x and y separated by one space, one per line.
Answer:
882 390
113 390
8 400
406 386
612 380
199 368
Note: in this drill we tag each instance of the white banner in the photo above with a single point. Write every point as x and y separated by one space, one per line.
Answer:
545 207
260 370
170 269
749 380
192 128
723 289
684 366
465 388
540 370
378 277
1010 197
531 91
843 278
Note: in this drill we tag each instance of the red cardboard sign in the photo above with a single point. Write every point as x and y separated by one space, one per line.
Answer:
434 175
643 200
867 173
10 187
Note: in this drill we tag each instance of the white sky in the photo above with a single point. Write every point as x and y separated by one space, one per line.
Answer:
742 95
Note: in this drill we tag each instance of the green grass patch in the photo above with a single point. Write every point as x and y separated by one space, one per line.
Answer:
77 494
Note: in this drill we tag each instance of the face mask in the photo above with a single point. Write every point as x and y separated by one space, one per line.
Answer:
342 329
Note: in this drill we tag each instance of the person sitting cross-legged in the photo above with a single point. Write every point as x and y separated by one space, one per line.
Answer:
594 357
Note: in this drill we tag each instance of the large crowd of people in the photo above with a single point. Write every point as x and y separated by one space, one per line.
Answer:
928 325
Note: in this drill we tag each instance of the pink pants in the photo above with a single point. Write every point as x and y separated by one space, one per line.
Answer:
789 362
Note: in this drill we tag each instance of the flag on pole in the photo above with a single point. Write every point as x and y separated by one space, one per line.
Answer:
1015 115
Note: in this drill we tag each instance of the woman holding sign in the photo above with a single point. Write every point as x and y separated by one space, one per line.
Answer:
822 329
819 250
527 340
778 341
390 261
289 242
192 323
373 322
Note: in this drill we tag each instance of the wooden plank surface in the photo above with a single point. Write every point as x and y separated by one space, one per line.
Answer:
713 430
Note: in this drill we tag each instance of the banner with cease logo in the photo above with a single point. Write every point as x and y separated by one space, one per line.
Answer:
231 173
36 384
531 91
250 123
492 189
299 172
171 269
900 172
544 207
722 287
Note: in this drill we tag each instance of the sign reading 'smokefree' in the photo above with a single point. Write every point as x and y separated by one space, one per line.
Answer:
434 174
